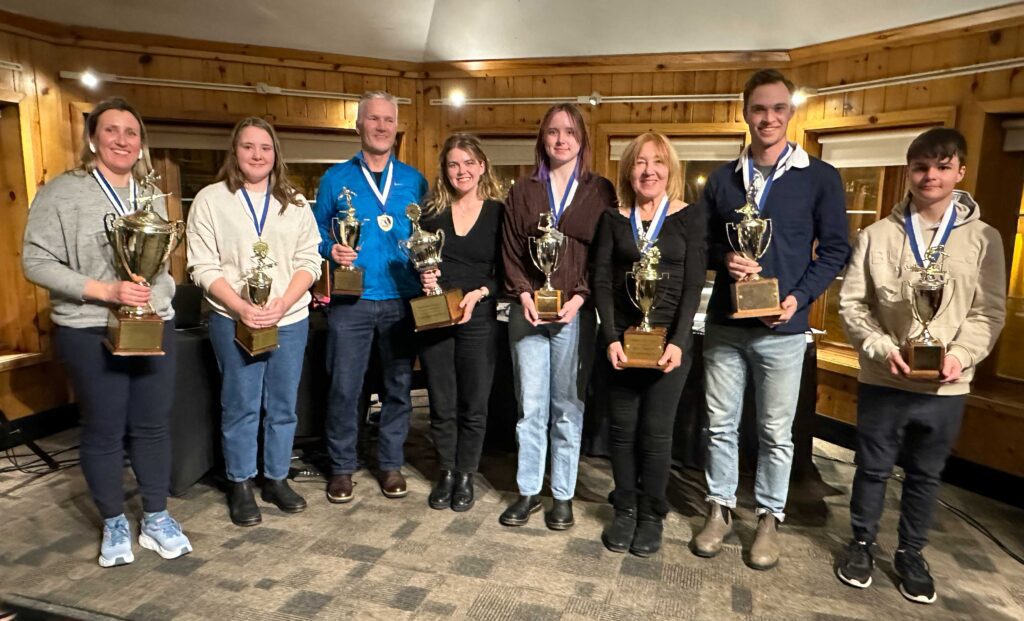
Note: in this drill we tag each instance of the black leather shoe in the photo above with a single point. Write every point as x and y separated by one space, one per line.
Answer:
647 539
462 497
619 534
242 504
281 494
560 516
519 512
441 496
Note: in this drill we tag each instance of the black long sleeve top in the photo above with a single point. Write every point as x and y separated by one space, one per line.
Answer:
472 260
683 259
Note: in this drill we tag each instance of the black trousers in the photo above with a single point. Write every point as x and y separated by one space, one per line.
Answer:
914 430
642 413
123 401
459 364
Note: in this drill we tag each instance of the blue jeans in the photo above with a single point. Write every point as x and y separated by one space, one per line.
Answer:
267 382
546 362
775 362
354 325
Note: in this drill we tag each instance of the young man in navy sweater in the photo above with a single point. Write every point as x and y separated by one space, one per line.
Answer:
804 199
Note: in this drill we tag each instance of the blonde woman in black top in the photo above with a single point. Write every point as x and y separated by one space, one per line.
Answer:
459 360
643 402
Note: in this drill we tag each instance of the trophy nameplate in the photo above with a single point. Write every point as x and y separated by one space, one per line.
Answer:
643 349
437 311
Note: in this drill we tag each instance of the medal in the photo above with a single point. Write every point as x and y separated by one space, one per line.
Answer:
558 207
260 248
385 222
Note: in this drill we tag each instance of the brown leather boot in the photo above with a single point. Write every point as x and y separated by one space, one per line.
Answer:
392 484
717 526
764 554
339 488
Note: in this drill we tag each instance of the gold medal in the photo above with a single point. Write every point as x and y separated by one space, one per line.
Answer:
260 248
385 222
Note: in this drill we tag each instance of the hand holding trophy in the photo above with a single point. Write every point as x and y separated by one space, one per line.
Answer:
256 341
439 308
644 345
142 242
546 253
753 295
348 279
924 354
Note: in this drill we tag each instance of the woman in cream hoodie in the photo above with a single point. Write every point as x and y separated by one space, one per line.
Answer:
896 414
253 210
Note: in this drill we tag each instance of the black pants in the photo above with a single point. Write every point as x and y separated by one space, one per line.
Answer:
459 363
122 400
642 412
915 430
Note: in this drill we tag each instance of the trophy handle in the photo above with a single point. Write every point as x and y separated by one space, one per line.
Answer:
947 296
630 291
730 230
440 245
115 239
334 229
532 248
769 229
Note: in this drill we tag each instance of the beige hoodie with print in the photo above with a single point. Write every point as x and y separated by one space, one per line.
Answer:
877 316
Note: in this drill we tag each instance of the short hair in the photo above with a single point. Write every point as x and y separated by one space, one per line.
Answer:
542 166
940 143
762 77
87 159
370 95
674 187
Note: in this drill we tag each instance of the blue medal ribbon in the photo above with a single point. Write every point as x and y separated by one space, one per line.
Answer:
260 222
558 208
770 178
916 239
112 196
387 177
645 240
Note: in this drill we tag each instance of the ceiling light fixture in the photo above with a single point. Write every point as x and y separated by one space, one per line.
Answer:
89 79
6 64
457 98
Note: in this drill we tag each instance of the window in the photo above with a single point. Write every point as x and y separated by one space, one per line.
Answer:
1010 363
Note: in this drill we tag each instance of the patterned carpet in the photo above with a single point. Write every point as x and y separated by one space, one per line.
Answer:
399 559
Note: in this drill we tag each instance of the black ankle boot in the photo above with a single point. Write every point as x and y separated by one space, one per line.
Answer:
560 516
462 496
441 496
647 539
618 536
519 512
242 504
279 493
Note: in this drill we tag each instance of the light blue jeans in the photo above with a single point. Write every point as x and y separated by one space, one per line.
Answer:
775 362
269 382
547 363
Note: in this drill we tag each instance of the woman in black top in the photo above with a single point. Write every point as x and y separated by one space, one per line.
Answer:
459 360
643 402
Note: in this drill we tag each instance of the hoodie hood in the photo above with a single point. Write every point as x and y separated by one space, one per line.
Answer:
967 209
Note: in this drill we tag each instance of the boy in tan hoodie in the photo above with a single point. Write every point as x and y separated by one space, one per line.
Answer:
916 420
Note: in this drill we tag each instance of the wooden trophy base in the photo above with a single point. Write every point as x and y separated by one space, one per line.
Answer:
437 311
255 341
347 282
135 336
924 359
643 349
756 298
548 304
322 287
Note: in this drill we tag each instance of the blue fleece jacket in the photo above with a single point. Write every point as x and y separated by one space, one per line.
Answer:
806 204
388 273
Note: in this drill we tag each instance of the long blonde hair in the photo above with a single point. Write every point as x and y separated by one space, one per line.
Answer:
444 194
281 186
87 158
674 188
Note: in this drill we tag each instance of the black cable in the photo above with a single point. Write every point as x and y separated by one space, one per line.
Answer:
957 511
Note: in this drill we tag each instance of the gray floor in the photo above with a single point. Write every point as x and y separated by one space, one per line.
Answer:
395 559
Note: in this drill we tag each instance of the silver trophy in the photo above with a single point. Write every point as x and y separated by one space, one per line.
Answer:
439 308
924 354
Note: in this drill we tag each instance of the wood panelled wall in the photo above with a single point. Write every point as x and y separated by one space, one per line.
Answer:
973 103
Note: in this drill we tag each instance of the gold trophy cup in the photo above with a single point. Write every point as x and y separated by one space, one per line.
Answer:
439 308
924 354
348 279
644 345
753 295
546 253
142 242
256 341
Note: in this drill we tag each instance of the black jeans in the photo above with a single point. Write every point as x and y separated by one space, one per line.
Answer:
122 400
642 412
915 430
459 363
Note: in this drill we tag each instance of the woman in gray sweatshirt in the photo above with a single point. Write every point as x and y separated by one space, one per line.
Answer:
124 401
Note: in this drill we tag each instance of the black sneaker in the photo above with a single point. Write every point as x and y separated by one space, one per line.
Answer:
916 582
856 567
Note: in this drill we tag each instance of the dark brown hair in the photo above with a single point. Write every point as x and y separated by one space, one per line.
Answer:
762 77
542 166
281 187
940 143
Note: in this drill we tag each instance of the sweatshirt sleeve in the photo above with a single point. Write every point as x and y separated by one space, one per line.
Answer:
44 258
857 302
694 276
978 333
204 260
601 266
307 255
832 231
514 246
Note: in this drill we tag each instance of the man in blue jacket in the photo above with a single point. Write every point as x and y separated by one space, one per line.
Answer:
804 199
383 187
